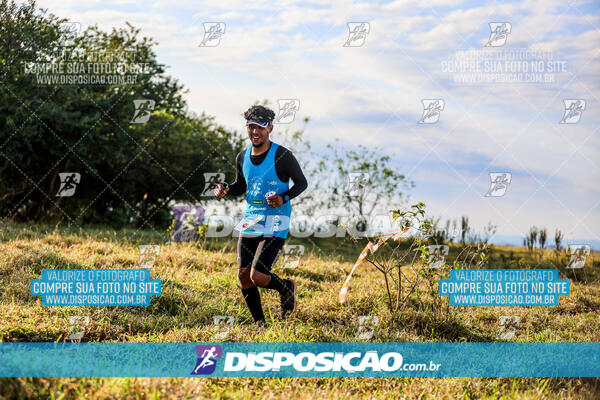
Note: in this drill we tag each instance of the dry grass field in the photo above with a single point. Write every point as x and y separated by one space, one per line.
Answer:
200 282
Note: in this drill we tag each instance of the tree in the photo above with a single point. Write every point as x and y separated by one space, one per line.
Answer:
464 223
357 182
558 237
542 238
488 231
129 172
531 238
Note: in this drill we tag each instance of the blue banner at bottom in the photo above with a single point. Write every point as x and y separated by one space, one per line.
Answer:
300 359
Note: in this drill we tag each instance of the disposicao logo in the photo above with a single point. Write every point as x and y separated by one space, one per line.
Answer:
207 359
307 361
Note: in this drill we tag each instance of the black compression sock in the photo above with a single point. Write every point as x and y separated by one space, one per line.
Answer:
277 283
252 297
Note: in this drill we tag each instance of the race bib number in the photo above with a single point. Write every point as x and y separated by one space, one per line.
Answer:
249 222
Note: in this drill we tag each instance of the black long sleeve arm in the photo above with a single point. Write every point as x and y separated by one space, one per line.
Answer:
239 186
287 167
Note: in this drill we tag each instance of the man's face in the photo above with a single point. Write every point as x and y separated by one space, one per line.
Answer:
258 135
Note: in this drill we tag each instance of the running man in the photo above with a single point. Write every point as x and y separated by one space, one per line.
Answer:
264 171
69 183
206 359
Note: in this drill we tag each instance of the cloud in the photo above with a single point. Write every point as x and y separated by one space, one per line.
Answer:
372 94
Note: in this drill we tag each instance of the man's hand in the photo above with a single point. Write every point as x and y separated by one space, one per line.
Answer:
275 200
221 190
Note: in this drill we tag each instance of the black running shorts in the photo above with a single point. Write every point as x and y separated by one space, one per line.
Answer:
259 252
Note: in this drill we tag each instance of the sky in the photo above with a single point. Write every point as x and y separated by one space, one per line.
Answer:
371 92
